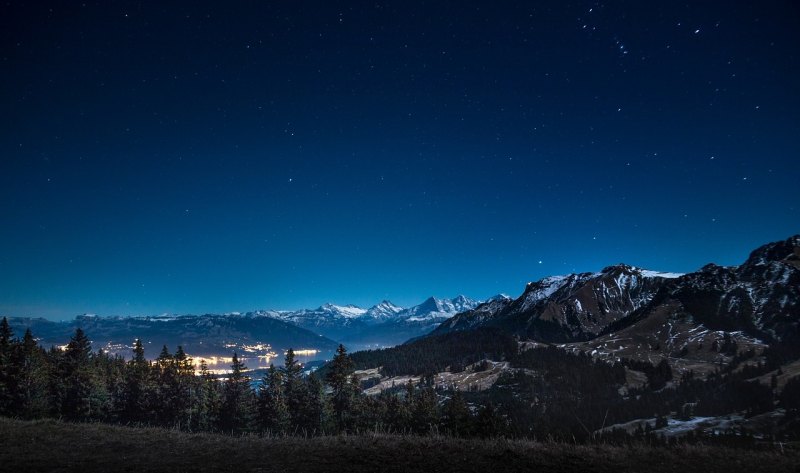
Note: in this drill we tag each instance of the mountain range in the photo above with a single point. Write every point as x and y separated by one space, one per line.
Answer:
619 311
760 298
384 324
628 312
199 335
714 351
261 332
721 343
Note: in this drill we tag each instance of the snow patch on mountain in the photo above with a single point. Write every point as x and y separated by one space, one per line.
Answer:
657 274
384 310
543 289
347 311
433 308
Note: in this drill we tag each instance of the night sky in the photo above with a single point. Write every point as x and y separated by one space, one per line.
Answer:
209 157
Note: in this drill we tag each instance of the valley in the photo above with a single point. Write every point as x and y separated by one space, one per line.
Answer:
622 352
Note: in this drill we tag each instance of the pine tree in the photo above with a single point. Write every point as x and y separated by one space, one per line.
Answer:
209 400
296 392
184 363
456 415
273 412
112 371
317 408
7 378
138 353
398 415
164 360
184 389
338 378
291 368
489 422
80 394
79 348
409 394
137 389
31 370
6 337
238 402
424 413
172 397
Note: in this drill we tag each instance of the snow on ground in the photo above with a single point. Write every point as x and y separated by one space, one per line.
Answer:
657 274
679 428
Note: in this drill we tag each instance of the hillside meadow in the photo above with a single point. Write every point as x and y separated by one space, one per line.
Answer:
50 445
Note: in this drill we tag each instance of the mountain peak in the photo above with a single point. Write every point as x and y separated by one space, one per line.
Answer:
619 267
348 310
434 308
461 301
622 268
430 303
383 310
780 251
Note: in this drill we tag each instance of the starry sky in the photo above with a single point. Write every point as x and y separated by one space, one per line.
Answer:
209 157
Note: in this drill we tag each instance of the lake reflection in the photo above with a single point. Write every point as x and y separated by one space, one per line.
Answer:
222 364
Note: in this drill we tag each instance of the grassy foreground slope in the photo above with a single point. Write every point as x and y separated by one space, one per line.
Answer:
55 446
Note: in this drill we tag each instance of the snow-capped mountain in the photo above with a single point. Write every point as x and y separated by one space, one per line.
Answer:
625 311
433 308
410 323
760 297
383 311
382 324
573 306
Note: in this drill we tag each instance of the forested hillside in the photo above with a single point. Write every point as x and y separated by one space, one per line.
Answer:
545 392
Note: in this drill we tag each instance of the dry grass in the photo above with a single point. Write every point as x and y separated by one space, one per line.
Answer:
56 446
790 371
465 380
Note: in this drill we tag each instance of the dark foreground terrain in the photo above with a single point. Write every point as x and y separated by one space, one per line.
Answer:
49 445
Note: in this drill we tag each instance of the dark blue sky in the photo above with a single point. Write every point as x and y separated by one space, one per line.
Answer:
212 157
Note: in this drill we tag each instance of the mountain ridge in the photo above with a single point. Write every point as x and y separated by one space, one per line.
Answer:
382 324
697 320
208 334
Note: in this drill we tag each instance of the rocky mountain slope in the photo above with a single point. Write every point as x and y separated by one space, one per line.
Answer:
760 299
566 308
697 322
711 352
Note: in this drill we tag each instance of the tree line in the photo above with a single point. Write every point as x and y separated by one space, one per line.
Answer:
78 384
430 355
547 392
